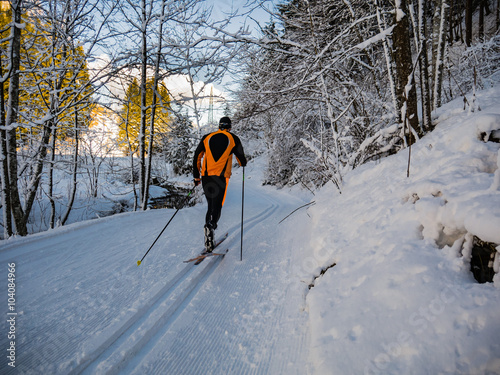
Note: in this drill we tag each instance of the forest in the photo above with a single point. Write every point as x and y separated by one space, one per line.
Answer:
321 88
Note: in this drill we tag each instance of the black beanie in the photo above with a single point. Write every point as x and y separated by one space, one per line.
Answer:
225 123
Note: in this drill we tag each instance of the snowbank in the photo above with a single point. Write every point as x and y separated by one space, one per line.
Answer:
401 298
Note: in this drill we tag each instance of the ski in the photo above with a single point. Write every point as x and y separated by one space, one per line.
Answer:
202 256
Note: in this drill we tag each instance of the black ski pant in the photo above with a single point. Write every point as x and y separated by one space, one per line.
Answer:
215 193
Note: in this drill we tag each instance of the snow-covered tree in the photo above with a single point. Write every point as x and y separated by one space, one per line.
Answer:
179 143
11 197
164 38
347 76
317 69
49 91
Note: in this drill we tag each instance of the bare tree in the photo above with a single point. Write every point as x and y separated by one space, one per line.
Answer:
468 22
12 116
161 55
51 64
156 80
405 87
320 80
498 15
439 50
420 35
4 166
74 173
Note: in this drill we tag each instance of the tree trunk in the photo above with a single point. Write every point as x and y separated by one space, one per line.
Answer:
424 67
39 163
4 167
51 180
142 131
50 125
498 14
390 73
481 21
11 119
75 169
440 54
153 109
450 22
468 22
406 94
436 24
131 153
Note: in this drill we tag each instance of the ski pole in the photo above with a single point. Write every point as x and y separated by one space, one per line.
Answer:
183 204
242 207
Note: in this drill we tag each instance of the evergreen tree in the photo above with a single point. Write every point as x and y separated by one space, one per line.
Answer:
130 115
179 144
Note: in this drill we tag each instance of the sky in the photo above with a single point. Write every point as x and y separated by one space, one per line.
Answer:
222 7
254 15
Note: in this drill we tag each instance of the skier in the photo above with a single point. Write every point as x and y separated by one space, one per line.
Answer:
212 167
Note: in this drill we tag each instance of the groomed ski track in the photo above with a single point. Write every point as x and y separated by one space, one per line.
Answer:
86 307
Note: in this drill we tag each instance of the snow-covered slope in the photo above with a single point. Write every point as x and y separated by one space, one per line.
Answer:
400 298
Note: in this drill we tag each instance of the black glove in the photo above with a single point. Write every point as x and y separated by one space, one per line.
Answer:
197 181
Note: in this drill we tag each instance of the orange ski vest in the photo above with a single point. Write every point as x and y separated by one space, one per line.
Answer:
217 158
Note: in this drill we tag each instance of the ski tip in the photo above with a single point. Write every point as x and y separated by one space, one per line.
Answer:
138 262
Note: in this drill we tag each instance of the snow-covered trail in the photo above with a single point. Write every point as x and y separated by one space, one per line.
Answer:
85 307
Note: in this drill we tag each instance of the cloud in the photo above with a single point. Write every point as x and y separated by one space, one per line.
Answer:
182 92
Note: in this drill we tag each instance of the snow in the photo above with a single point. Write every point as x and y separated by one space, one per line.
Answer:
400 14
395 296
401 298
375 39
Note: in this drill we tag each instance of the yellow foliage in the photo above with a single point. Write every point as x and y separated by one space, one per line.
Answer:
54 79
98 114
130 114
